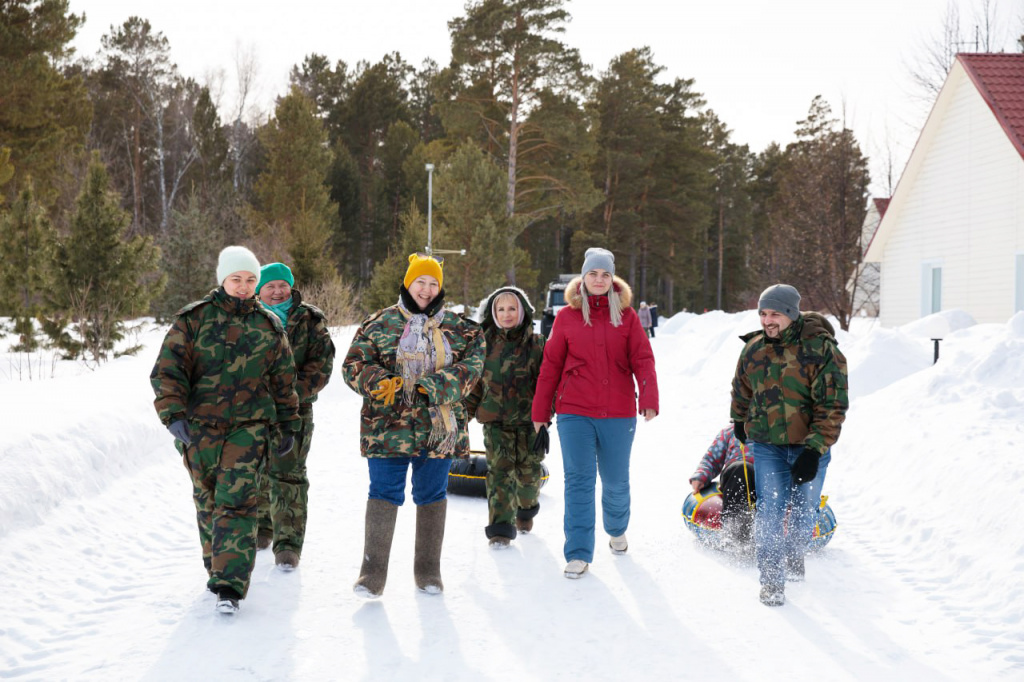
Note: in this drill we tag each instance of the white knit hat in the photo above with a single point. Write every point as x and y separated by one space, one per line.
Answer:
236 259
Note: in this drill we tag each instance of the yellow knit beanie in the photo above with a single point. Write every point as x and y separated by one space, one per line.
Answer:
420 265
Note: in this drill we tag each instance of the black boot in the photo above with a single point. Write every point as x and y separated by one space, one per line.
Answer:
429 537
380 530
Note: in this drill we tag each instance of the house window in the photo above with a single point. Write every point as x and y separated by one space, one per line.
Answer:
931 287
1019 284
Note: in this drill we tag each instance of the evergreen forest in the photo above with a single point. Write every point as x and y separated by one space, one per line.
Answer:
121 179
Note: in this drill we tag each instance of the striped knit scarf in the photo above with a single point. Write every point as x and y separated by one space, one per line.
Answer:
422 350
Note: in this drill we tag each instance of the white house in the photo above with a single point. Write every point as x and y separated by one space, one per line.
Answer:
952 236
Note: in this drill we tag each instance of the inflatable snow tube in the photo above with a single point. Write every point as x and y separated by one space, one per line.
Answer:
469 476
702 513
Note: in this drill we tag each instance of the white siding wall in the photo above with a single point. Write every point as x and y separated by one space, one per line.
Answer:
965 208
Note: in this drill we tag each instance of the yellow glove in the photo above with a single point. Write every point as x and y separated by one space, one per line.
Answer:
387 389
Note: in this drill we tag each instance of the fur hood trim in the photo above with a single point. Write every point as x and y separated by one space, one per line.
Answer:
574 300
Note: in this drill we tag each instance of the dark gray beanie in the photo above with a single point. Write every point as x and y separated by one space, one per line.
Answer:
781 297
597 258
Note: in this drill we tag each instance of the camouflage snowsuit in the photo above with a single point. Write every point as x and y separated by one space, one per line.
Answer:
284 493
226 366
502 401
400 429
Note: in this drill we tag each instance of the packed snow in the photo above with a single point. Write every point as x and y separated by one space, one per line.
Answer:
103 580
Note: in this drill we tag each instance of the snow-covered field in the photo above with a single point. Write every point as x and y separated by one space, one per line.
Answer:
101 577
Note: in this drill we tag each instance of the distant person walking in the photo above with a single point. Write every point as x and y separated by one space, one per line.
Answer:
284 500
596 350
414 363
224 379
654 317
789 401
645 319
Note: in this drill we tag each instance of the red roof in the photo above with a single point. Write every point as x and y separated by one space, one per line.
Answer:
1000 80
881 205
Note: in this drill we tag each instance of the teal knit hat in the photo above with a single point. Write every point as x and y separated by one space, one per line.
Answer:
275 271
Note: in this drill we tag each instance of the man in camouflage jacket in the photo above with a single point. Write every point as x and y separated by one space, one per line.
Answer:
284 495
223 379
789 401
502 401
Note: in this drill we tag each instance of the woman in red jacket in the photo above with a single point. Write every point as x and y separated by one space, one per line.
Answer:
597 348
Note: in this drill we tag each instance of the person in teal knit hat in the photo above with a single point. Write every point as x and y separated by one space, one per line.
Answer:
285 491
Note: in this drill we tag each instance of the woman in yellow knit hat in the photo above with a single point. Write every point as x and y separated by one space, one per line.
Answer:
414 363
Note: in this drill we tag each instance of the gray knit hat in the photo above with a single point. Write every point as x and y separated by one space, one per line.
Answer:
597 258
781 297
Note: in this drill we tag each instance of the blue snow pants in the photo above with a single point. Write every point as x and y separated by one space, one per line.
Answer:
590 447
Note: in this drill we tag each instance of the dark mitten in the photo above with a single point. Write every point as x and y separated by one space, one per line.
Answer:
805 468
286 444
179 430
542 441
740 429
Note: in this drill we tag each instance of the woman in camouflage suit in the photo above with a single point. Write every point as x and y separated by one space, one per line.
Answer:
284 499
224 378
414 363
502 401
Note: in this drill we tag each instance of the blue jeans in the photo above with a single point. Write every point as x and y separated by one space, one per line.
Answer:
776 537
591 446
429 479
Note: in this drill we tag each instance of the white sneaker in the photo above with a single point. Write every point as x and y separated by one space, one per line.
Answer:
618 544
576 568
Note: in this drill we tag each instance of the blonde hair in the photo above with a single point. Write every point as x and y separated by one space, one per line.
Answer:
614 305
504 296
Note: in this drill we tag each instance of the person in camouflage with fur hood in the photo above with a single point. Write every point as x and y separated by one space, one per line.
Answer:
223 380
413 363
789 401
502 401
284 495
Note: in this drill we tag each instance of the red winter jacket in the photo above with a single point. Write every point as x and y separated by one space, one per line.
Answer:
589 370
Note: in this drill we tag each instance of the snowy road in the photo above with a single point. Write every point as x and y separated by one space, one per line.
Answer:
109 584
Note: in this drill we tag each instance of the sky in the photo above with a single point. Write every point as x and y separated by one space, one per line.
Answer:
103 579
759 64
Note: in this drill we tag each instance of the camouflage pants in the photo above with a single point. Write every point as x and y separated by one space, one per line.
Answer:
513 472
284 493
225 469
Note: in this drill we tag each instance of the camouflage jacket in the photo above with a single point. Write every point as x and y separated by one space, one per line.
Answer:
792 390
401 430
504 394
313 350
225 362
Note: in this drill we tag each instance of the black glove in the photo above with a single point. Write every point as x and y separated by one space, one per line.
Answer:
805 468
542 441
179 430
286 444
740 429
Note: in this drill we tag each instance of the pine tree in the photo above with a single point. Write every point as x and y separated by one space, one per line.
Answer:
25 237
388 273
189 256
293 197
100 277
44 114
508 66
653 169
819 215
471 216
